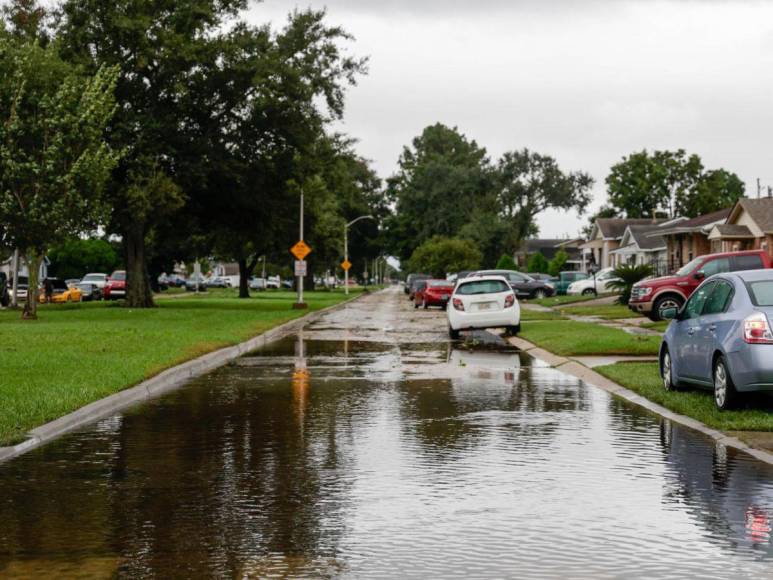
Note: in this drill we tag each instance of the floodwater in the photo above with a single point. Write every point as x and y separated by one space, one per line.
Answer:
368 446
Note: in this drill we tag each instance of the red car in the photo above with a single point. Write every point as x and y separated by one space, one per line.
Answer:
433 293
652 297
115 288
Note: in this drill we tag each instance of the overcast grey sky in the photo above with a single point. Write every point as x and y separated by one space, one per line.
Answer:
586 81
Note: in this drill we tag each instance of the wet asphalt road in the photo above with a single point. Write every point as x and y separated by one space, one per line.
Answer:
369 446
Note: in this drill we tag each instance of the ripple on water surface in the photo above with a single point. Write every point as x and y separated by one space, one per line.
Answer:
329 457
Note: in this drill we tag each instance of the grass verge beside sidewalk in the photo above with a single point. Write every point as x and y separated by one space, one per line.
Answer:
603 311
644 379
571 338
77 354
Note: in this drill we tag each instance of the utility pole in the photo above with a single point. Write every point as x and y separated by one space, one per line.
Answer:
759 188
300 304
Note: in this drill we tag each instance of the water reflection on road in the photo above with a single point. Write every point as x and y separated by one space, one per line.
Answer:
368 446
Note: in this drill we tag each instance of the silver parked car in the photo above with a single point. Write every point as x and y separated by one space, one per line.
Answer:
721 339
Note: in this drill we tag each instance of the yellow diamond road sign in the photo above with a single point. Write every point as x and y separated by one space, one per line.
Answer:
300 250
346 264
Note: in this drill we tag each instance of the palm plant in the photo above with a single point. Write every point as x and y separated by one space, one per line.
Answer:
628 275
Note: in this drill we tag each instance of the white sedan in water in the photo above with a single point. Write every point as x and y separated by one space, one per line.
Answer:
483 302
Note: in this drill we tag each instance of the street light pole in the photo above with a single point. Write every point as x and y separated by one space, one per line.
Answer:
346 247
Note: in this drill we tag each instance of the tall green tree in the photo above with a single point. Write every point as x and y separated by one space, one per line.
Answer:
54 161
162 48
527 184
76 257
669 183
538 263
440 255
443 179
557 263
268 142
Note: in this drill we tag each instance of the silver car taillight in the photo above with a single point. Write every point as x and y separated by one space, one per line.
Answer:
756 329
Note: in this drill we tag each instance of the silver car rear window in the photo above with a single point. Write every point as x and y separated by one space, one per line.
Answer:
761 292
483 287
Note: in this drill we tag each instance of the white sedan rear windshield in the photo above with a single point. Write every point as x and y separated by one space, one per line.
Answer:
762 292
483 287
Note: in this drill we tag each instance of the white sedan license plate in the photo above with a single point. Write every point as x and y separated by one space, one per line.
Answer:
485 306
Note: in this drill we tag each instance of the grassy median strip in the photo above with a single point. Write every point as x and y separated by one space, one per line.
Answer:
530 315
77 354
565 299
603 311
568 338
644 379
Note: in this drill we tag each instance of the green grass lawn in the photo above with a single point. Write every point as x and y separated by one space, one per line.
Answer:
565 299
568 337
604 311
530 315
76 354
644 378
660 326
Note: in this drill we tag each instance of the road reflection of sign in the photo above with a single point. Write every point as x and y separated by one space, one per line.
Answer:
758 525
301 378
300 268
346 264
300 250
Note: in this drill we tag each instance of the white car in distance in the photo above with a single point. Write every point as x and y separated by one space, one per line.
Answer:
483 302
589 286
98 280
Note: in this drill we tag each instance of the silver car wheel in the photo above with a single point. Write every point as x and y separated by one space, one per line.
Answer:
667 380
667 303
720 385
539 295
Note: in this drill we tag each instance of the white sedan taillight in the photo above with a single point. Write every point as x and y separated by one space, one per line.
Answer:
756 329
458 304
509 300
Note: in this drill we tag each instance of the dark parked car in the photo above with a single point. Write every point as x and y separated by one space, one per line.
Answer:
89 292
411 279
5 297
722 339
524 286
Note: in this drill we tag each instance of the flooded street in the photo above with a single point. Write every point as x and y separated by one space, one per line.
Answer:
369 446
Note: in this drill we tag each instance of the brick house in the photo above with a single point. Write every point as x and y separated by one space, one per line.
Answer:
689 238
606 235
749 226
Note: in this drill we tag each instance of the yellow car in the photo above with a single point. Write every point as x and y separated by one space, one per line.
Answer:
60 292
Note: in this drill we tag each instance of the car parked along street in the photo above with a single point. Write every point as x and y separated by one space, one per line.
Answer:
433 293
480 302
523 285
722 339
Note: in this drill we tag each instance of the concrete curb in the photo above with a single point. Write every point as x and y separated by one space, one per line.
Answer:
591 377
163 382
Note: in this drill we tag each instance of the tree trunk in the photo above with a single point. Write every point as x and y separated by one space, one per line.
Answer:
245 272
138 292
30 311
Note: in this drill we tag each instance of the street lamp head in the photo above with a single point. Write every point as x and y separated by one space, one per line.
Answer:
362 217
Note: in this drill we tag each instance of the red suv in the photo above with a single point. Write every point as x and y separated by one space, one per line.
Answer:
652 297
115 287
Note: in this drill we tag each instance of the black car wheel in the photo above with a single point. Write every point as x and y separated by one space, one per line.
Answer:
454 334
663 303
589 292
540 294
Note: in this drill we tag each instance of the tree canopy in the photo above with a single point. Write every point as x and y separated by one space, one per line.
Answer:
54 161
441 255
669 183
